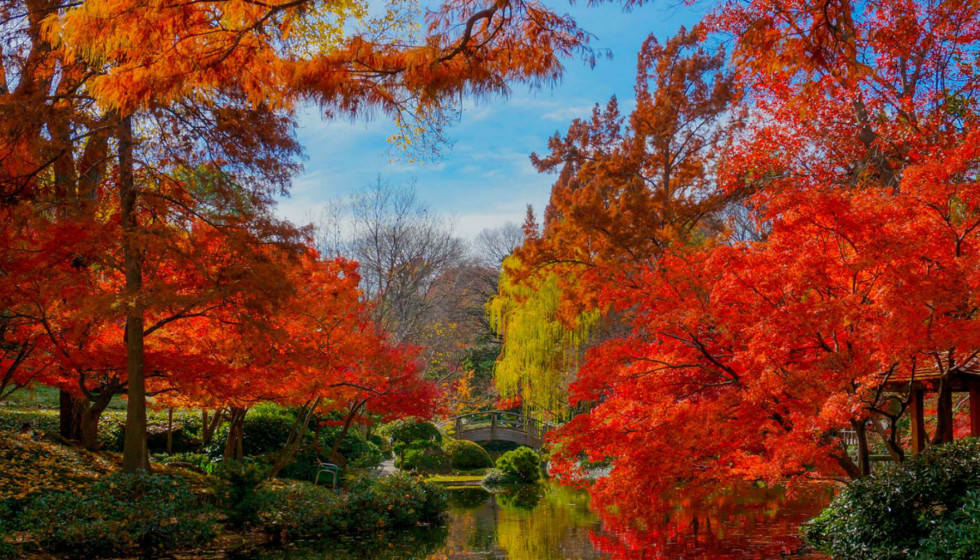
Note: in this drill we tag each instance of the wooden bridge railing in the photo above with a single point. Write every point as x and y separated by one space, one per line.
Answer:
499 425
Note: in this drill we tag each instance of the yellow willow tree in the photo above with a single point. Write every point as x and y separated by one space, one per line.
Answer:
541 351
152 55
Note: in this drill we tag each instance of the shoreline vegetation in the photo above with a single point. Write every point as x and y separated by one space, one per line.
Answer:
58 499
65 502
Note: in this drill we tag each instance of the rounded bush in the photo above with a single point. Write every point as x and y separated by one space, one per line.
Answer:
930 498
405 432
425 460
520 466
466 455
265 430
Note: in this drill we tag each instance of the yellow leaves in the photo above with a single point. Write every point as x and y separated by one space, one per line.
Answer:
31 466
540 353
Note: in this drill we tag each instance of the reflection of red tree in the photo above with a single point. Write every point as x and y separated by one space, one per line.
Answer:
750 523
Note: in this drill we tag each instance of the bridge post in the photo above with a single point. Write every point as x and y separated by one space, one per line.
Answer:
493 426
459 426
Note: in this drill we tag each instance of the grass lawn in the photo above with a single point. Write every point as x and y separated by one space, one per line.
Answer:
455 478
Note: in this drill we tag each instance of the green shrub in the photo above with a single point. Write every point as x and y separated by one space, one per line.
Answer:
521 466
957 537
425 458
466 455
120 514
298 509
266 429
235 485
404 432
358 451
415 447
498 448
920 507
390 502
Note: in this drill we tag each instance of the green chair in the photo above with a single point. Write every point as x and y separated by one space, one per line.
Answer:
330 468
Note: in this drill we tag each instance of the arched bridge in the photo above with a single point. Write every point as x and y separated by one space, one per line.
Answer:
499 426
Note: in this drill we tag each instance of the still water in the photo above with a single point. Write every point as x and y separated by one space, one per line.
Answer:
551 522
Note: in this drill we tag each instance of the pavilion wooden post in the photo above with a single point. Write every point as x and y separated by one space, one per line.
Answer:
944 413
974 407
918 420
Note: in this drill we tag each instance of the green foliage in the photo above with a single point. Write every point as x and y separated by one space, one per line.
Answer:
466 455
358 451
521 465
119 514
236 487
299 509
40 420
202 461
425 457
498 448
957 536
266 429
404 433
924 508
402 500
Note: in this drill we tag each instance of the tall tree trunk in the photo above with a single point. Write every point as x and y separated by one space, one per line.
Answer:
944 413
135 452
864 458
69 416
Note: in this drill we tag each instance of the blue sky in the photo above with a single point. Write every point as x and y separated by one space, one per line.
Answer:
484 179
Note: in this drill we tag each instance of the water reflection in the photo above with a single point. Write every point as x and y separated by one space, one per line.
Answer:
550 522
748 523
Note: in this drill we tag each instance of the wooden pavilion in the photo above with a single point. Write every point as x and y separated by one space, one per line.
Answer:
944 378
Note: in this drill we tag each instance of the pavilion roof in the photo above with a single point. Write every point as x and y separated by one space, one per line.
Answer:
928 372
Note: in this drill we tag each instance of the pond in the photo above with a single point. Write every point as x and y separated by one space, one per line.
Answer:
550 522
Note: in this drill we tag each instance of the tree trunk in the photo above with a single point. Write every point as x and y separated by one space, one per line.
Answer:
90 429
944 413
170 431
208 427
295 439
334 454
91 414
135 452
233 442
864 459
69 416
